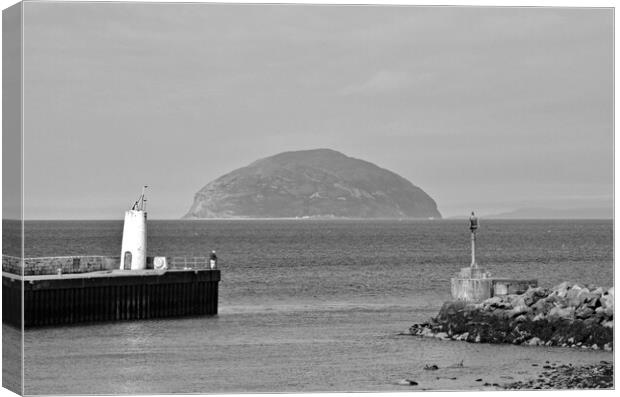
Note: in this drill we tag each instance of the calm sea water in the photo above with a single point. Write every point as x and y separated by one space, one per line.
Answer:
309 306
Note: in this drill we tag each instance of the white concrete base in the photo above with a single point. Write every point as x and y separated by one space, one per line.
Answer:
474 284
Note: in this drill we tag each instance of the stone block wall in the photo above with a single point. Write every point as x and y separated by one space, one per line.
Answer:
182 262
84 264
11 264
69 264
504 286
474 284
471 289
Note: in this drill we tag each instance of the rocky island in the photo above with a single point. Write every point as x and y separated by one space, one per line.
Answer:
320 183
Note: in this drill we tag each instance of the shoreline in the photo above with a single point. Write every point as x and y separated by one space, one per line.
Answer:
593 376
552 371
569 316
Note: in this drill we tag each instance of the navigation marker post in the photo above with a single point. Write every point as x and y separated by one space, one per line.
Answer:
475 284
473 226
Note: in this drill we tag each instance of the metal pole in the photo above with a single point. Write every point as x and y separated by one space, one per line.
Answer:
473 249
144 198
473 225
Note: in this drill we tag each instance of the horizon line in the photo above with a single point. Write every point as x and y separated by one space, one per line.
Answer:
455 217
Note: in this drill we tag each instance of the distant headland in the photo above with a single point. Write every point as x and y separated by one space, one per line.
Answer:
320 183
554 213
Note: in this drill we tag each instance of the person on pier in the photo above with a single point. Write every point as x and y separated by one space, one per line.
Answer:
213 260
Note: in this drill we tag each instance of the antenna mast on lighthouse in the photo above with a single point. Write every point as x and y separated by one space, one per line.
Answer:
140 204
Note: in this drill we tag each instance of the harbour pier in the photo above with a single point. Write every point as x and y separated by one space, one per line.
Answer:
132 286
107 294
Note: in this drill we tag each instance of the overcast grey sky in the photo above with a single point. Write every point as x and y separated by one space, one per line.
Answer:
483 108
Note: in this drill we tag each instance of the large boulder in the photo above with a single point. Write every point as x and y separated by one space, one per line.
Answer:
604 313
542 306
533 295
535 341
584 312
607 299
450 309
563 313
572 295
561 289
497 302
519 310
516 300
590 299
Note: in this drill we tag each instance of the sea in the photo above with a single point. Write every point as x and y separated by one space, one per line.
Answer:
310 306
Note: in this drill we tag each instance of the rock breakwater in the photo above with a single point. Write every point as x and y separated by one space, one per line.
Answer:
565 315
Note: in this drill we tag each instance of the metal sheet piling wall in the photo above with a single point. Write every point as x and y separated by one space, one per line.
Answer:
12 301
114 297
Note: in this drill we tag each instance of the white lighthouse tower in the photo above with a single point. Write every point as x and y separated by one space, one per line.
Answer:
133 253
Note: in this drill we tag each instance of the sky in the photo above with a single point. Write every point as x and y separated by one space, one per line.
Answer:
490 109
